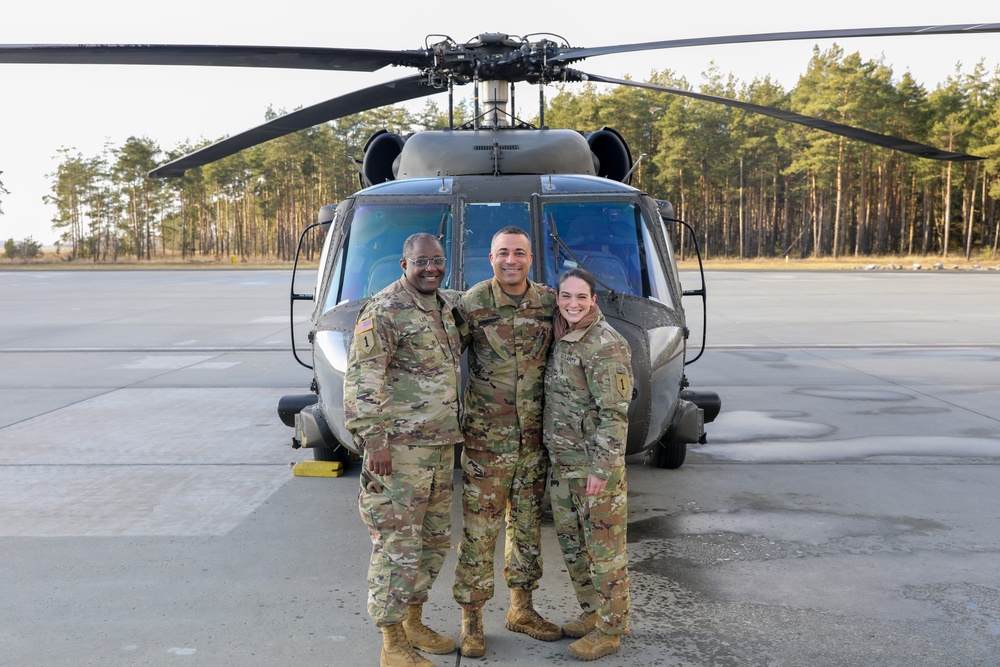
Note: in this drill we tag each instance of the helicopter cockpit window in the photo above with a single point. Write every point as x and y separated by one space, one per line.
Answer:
369 260
607 238
481 222
658 287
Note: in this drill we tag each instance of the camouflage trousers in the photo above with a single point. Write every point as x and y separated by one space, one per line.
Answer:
591 532
495 488
410 526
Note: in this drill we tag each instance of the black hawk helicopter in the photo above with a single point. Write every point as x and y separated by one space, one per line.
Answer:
568 189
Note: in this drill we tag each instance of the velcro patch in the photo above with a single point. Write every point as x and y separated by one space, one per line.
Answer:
367 343
623 385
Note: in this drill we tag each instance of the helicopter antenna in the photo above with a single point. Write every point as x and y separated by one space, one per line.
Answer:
634 167
361 171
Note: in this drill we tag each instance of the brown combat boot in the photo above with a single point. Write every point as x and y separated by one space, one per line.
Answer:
396 650
596 644
581 626
522 617
472 643
422 637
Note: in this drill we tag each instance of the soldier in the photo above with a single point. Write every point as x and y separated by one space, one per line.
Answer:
588 387
401 406
504 464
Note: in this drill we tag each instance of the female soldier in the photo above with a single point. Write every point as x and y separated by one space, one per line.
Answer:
588 386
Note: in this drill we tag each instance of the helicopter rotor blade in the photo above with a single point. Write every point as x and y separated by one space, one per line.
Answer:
285 57
392 92
572 54
884 140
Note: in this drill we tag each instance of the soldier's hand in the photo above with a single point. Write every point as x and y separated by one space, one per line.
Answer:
380 462
595 484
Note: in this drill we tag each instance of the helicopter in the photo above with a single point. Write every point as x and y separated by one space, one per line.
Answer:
570 190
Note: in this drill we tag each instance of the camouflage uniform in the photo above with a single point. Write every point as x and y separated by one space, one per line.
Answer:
504 464
588 387
401 393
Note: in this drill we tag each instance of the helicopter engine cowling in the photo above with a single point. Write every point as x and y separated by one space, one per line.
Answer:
614 159
439 153
381 158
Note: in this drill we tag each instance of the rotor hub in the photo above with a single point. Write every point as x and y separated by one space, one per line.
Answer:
494 56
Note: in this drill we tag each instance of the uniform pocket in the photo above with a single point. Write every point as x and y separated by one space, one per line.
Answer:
377 511
420 350
496 342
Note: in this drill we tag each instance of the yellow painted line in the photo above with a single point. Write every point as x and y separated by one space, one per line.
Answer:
318 469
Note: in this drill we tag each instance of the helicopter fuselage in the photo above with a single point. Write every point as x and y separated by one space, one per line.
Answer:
574 219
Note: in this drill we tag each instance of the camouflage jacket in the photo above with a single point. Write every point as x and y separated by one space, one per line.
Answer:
588 388
402 378
509 344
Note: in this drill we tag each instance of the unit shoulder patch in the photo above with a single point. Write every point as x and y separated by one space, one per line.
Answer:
367 343
623 385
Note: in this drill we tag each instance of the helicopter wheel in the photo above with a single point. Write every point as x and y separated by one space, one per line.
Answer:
337 453
668 455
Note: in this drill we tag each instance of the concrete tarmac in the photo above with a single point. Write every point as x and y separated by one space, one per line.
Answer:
843 512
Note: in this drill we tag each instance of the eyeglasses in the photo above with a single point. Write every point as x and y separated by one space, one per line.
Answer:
421 262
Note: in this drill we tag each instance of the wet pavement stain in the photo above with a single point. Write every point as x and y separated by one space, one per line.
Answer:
854 394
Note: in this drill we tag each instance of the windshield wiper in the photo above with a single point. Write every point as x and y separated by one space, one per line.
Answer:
579 262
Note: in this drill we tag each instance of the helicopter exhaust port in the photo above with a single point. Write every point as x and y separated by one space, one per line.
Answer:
612 157
381 158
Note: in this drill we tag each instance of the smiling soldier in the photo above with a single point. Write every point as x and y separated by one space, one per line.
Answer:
504 465
401 406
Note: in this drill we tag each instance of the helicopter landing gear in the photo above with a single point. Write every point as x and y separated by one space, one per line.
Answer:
337 453
668 455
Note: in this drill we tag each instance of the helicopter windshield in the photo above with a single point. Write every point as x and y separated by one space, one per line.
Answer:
481 222
608 238
369 260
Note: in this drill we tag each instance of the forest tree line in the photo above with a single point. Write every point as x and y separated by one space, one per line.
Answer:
750 185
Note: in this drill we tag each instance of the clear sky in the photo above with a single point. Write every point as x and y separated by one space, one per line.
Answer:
46 107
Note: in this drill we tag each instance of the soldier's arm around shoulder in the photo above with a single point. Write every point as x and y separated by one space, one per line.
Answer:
454 300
